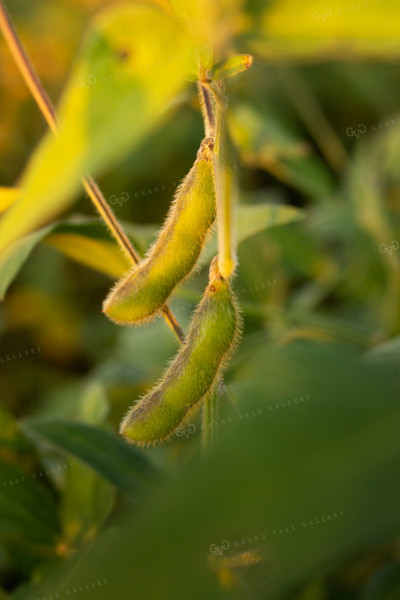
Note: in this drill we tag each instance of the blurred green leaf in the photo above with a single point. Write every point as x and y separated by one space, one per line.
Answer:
80 238
14 446
15 256
88 497
336 30
254 218
305 463
102 450
27 509
384 584
266 140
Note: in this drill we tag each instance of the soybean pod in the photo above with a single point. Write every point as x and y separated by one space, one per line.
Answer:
193 373
140 294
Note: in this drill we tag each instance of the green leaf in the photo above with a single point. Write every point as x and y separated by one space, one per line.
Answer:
14 446
387 354
231 67
80 238
312 443
88 497
27 510
266 140
254 218
102 450
15 256
121 86
88 242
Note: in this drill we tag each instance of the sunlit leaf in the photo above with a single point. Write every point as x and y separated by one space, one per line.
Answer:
7 197
123 81
85 240
99 255
231 66
334 29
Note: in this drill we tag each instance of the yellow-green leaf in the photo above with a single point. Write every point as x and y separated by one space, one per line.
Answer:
231 67
8 196
133 62
99 255
333 29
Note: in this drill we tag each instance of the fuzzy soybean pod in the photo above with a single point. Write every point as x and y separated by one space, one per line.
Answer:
140 294
194 371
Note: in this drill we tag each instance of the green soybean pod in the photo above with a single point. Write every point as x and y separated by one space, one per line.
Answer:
193 373
140 294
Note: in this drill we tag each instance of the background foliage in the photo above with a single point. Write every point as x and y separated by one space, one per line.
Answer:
299 498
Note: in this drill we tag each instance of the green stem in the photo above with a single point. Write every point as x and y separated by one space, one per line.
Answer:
225 190
207 109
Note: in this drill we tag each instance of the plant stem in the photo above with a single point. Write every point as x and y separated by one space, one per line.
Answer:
26 68
207 110
225 189
109 217
213 110
49 113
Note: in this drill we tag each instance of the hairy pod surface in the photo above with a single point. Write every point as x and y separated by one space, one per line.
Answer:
172 257
212 336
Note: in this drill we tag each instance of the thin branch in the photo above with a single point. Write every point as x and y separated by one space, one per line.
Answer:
109 217
26 69
48 111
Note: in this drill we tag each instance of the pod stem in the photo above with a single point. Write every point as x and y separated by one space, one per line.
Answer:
48 111
213 106
207 109
225 186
